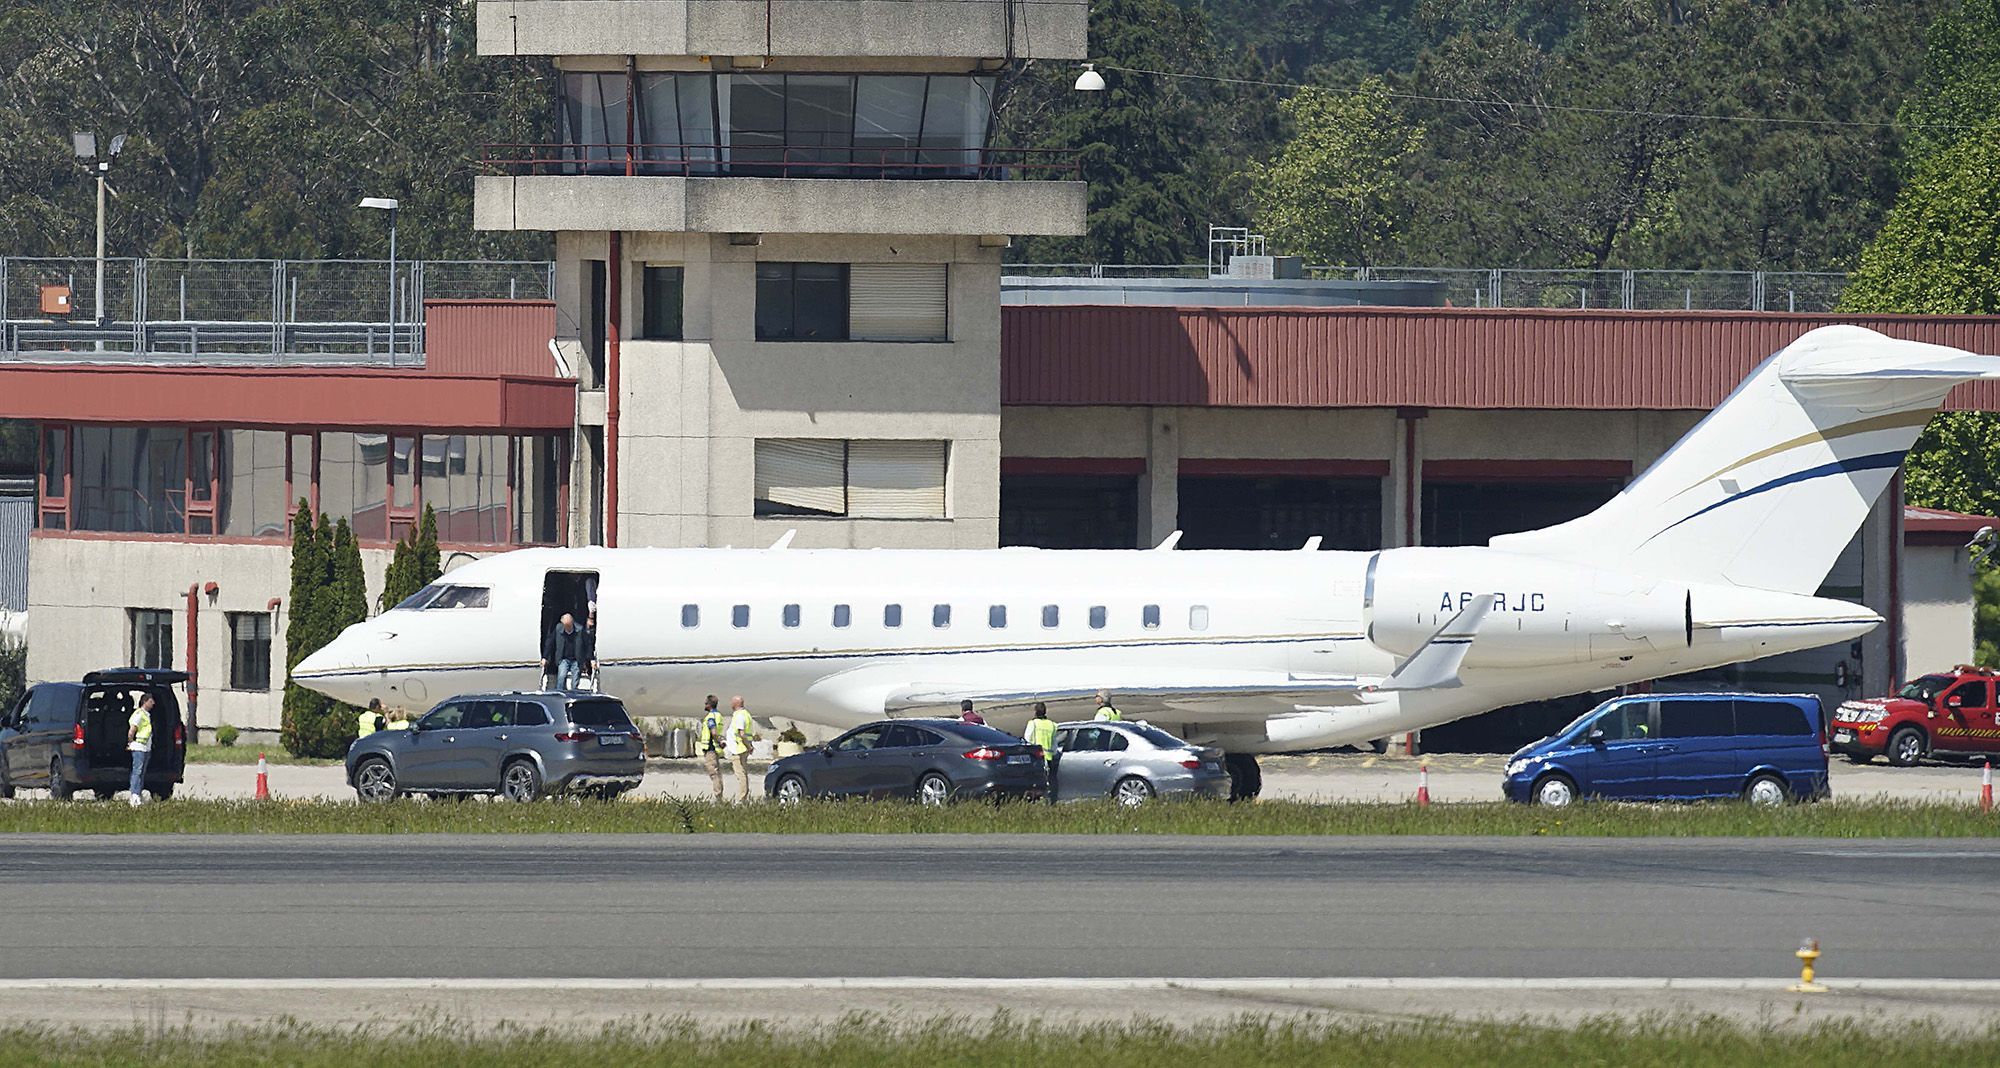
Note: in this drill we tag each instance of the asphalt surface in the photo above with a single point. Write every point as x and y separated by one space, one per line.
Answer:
980 907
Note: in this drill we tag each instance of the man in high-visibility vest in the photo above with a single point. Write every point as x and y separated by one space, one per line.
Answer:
708 742
1106 712
742 732
1042 732
370 720
139 740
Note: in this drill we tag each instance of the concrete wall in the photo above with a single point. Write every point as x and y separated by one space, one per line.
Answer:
1046 29
776 205
692 410
1937 608
80 589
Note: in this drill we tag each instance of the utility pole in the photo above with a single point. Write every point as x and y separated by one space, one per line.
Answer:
390 205
86 153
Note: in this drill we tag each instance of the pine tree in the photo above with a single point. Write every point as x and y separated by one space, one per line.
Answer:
428 564
305 631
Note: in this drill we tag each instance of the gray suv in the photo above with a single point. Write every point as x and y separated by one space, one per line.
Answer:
520 746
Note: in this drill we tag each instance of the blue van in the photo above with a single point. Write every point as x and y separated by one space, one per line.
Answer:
1763 748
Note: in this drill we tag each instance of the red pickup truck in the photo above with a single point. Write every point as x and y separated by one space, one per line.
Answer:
1950 713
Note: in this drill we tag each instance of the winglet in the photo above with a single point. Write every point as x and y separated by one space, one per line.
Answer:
1167 545
1311 545
1434 666
785 540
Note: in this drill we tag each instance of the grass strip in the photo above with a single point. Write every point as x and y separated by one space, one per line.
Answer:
1877 819
248 754
1004 1042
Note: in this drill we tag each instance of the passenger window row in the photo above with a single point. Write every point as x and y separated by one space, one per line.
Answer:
1098 616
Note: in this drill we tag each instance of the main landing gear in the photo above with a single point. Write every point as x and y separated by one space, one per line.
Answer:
1246 780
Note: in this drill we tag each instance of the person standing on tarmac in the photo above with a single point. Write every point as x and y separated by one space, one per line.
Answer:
139 740
371 719
742 731
1042 732
708 742
967 715
1106 711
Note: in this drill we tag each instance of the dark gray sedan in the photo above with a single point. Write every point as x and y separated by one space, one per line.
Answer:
520 746
1132 763
927 760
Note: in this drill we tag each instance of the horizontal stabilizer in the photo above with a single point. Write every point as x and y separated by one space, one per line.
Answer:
1434 666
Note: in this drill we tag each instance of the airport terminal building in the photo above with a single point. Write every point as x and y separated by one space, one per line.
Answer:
779 303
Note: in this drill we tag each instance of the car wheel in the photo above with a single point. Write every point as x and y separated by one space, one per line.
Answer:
1906 747
162 791
520 781
933 790
104 793
1132 791
59 787
1766 791
1555 791
6 787
375 782
791 790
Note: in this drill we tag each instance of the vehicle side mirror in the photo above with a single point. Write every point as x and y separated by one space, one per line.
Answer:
1596 735
1954 701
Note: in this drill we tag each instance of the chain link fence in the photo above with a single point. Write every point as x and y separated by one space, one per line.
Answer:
249 311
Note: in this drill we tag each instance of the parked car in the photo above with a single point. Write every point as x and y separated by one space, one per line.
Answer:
1950 713
931 761
520 746
1132 763
68 736
1656 747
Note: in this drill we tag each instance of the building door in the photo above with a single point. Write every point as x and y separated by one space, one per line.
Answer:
1069 511
1232 512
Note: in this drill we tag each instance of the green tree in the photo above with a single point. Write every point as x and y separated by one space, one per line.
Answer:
415 564
305 728
1960 82
1332 194
13 671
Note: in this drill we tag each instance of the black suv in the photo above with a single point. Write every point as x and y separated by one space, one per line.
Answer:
68 736
518 745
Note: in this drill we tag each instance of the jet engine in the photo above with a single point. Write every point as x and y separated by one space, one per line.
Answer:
1544 611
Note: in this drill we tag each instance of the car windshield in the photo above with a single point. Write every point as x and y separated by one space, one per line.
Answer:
1578 721
1925 688
599 712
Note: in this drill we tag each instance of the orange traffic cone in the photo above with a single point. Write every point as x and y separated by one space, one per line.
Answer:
263 780
1424 783
1986 788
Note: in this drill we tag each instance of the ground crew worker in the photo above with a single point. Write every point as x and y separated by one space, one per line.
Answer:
967 715
371 719
139 740
1042 732
708 742
741 733
399 721
1105 711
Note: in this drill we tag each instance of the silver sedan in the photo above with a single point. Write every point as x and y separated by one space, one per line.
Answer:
1132 763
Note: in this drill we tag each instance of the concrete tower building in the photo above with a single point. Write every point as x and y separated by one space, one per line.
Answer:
779 228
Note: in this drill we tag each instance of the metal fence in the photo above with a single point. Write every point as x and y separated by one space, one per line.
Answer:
247 311
1510 287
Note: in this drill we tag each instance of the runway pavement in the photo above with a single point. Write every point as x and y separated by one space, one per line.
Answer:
994 907
1332 777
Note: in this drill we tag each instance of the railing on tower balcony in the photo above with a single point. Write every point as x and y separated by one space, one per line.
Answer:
784 161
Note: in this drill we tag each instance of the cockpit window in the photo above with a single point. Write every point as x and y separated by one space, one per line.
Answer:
441 595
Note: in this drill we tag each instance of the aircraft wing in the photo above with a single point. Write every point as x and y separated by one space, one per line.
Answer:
1071 692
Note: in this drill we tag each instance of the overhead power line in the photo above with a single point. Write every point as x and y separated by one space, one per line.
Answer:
1697 116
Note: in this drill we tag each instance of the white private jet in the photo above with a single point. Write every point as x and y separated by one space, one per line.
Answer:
1711 557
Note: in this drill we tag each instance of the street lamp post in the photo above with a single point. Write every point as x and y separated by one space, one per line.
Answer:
390 205
86 153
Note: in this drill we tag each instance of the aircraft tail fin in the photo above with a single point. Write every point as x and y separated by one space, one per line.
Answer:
1768 489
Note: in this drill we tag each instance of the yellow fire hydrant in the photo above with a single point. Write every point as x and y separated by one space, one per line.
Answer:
1808 955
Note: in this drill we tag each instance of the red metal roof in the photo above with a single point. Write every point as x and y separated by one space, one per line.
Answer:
490 337
284 397
1428 357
